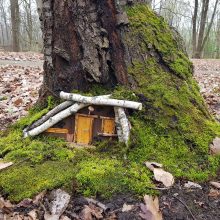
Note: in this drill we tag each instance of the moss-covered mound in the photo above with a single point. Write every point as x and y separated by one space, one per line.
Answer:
174 128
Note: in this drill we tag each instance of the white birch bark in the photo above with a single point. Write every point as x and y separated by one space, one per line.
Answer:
124 124
51 113
118 125
98 100
55 119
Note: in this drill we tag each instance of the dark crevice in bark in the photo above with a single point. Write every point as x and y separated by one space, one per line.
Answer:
109 22
84 44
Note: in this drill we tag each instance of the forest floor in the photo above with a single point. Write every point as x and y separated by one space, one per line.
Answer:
20 79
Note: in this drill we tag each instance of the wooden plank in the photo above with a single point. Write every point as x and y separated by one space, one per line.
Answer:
107 135
88 116
57 130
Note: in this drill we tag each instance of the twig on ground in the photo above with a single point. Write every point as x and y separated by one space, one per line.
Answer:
158 188
185 207
101 205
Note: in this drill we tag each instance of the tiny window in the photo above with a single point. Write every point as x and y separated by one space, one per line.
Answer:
108 126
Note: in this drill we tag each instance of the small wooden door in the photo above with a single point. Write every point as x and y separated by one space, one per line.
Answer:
83 129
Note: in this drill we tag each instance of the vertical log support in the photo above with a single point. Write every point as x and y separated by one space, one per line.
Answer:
124 124
118 126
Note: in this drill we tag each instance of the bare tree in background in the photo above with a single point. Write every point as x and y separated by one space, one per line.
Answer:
202 36
4 18
194 27
218 38
15 23
28 23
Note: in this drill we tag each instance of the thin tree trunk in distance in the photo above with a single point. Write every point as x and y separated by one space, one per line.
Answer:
15 22
210 24
218 39
194 29
205 7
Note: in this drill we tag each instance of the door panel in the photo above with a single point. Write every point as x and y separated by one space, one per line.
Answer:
108 126
83 130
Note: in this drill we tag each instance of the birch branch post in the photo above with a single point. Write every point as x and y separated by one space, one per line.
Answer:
118 125
124 124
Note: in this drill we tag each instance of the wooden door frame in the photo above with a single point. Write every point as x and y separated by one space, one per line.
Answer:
76 123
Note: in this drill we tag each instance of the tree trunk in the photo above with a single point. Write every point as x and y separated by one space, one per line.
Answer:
15 23
194 29
91 50
210 24
205 7
217 56
110 43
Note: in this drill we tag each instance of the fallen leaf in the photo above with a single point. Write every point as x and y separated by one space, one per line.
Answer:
6 205
151 211
25 203
112 216
92 210
64 218
160 175
86 213
127 208
37 199
165 177
33 214
5 165
214 193
215 184
17 216
18 102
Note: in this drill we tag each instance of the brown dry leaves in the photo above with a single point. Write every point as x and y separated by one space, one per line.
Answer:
207 74
150 210
19 85
21 56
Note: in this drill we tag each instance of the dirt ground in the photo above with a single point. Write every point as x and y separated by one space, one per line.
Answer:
20 79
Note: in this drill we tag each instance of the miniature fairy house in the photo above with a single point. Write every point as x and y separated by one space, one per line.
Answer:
84 120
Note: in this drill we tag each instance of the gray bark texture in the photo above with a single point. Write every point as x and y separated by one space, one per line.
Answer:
83 44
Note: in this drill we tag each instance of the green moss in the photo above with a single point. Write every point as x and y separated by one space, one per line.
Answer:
174 128
110 176
25 181
155 34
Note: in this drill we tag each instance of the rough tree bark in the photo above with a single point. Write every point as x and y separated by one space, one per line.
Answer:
15 23
91 50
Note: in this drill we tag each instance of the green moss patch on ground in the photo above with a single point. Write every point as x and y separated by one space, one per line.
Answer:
174 128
